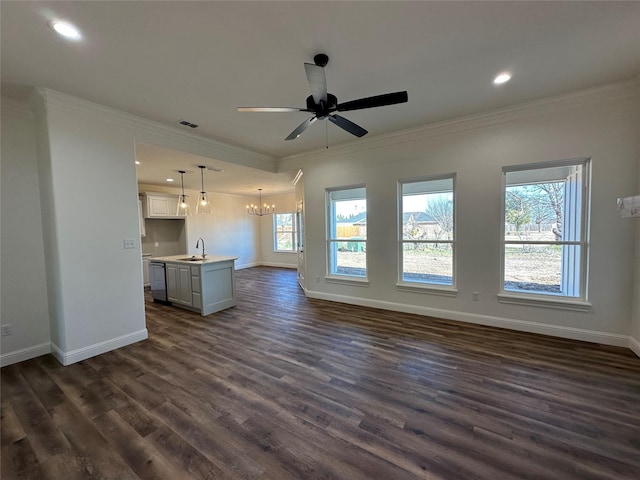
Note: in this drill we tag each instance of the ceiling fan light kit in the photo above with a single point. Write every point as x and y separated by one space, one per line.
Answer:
324 105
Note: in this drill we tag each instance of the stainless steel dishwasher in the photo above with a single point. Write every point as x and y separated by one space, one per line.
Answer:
158 281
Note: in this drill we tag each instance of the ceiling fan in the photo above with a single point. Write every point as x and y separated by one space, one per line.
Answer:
324 105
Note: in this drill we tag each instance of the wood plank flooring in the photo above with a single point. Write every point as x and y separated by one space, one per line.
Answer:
283 387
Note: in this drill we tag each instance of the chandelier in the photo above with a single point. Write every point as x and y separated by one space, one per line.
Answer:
260 209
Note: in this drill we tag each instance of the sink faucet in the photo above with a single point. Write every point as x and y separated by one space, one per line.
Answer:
198 246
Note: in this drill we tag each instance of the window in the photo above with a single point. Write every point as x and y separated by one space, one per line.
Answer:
545 229
427 231
284 232
347 232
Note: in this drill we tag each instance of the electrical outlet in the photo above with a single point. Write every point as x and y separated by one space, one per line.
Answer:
476 296
6 330
129 244
317 278
157 244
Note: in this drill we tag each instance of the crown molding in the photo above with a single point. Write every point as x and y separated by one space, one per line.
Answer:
627 89
171 137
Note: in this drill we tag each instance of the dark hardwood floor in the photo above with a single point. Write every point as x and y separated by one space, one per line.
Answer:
282 387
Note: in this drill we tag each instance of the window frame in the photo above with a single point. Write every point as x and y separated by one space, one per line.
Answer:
427 287
551 299
294 234
331 276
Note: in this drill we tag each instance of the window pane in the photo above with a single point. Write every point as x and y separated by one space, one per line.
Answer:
545 205
284 221
428 216
535 212
285 242
284 232
349 258
428 263
547 269
347 232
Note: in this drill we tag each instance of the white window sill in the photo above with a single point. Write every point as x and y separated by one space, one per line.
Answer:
430 289
559 303
286 253
361 282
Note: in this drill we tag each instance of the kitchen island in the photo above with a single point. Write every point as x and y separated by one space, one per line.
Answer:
201 285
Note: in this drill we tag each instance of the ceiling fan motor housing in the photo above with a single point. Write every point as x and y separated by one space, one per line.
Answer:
321 60
322 109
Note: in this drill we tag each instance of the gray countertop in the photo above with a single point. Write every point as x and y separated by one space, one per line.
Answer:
186 258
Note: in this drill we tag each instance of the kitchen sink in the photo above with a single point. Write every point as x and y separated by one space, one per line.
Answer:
192 259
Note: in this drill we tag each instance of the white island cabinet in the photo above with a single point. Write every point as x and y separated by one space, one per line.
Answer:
205 286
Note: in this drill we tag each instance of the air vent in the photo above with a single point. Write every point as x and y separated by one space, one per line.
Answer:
187 124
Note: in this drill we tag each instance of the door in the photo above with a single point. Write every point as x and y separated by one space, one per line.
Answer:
173 283
300 234
184 280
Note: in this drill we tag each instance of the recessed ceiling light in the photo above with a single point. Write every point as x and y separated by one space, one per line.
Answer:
65 29
137 162
503 77
169 179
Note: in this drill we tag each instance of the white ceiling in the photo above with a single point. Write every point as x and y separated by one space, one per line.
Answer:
198 61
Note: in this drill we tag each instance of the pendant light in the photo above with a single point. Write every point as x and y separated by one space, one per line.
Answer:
260 209
203 207
183 204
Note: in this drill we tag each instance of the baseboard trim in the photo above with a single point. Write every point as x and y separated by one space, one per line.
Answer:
634 345
278 265
73 356
491 321
25 354
247 265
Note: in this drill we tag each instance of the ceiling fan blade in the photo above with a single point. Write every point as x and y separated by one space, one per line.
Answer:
271 109
301 128
377 101
317 82
348 125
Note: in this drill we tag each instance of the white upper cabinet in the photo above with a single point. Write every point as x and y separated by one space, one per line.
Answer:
160 205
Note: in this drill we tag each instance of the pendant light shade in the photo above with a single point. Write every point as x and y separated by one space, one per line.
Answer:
260 209
183 204
203 207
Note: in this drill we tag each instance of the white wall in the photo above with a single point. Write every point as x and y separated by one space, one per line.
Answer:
284 204
227 231
23 288
601 124
90 175
164 237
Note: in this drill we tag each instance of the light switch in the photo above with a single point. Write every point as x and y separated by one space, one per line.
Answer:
129 243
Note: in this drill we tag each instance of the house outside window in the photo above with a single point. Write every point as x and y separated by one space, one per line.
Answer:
545 219
347 232
427 232
284 232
